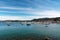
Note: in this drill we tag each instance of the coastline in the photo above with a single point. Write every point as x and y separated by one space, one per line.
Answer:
37 21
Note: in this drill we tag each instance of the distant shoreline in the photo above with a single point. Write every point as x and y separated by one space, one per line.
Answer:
39 20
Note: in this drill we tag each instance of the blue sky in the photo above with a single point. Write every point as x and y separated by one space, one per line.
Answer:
28 9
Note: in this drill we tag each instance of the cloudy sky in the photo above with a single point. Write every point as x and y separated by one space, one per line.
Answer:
28 9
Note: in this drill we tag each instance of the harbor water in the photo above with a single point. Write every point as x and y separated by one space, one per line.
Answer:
32 31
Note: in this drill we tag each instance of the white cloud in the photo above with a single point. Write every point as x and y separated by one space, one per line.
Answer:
10 18
23 17
19 17
16 8
48 13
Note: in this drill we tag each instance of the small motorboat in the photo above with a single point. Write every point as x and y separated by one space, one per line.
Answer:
8 24
28 24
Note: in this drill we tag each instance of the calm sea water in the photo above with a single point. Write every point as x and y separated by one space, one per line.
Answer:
22 31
